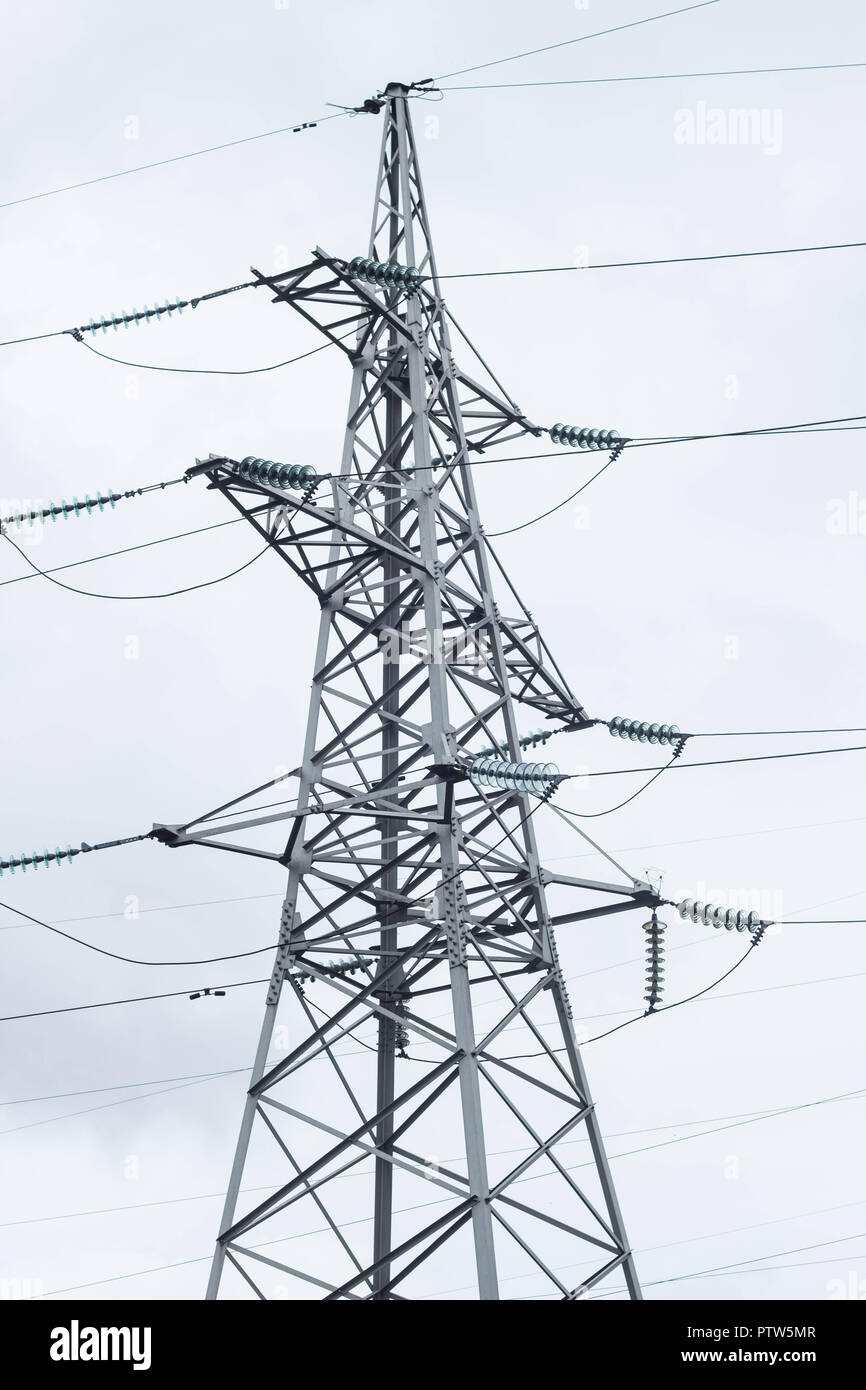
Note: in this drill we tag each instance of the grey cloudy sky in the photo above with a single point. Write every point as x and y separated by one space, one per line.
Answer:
717 585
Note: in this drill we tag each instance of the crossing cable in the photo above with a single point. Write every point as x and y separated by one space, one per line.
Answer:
736 1267
648 77
205 1196
201 1259
358 1221
133 1085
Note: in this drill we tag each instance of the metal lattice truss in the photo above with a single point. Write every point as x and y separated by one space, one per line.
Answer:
444 1019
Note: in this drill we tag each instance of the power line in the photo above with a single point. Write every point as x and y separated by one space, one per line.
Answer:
127 550
137 999
175 159
496 1153
522 527
712 762
777 733
461 275
123 1086
566 43
645 442
648 1014
648 77
805 427
130 960
109 1105
594 815
665 260
627 849
417 1206
300 126
129 598
204 371
735 1266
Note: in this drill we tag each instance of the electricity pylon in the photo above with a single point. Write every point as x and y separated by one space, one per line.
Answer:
427 886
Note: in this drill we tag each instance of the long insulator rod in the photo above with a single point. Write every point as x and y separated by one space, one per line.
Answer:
58 856
655 962
75 508
136 316
655 953
525 741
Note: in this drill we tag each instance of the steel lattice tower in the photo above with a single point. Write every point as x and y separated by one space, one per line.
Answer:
426 887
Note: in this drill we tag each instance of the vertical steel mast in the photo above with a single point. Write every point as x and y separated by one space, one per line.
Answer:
416 978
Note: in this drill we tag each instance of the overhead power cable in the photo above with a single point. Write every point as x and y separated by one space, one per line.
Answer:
647 77
777 733
130 598
664 260
648 1013
646 442
206 1196
372 106
630 849
736 1266
137 999
237 984
131 960
805 427
149 314
127 550
300 1235
176 159
130 1086
567 43
523 525
205 371
715 762
594 815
